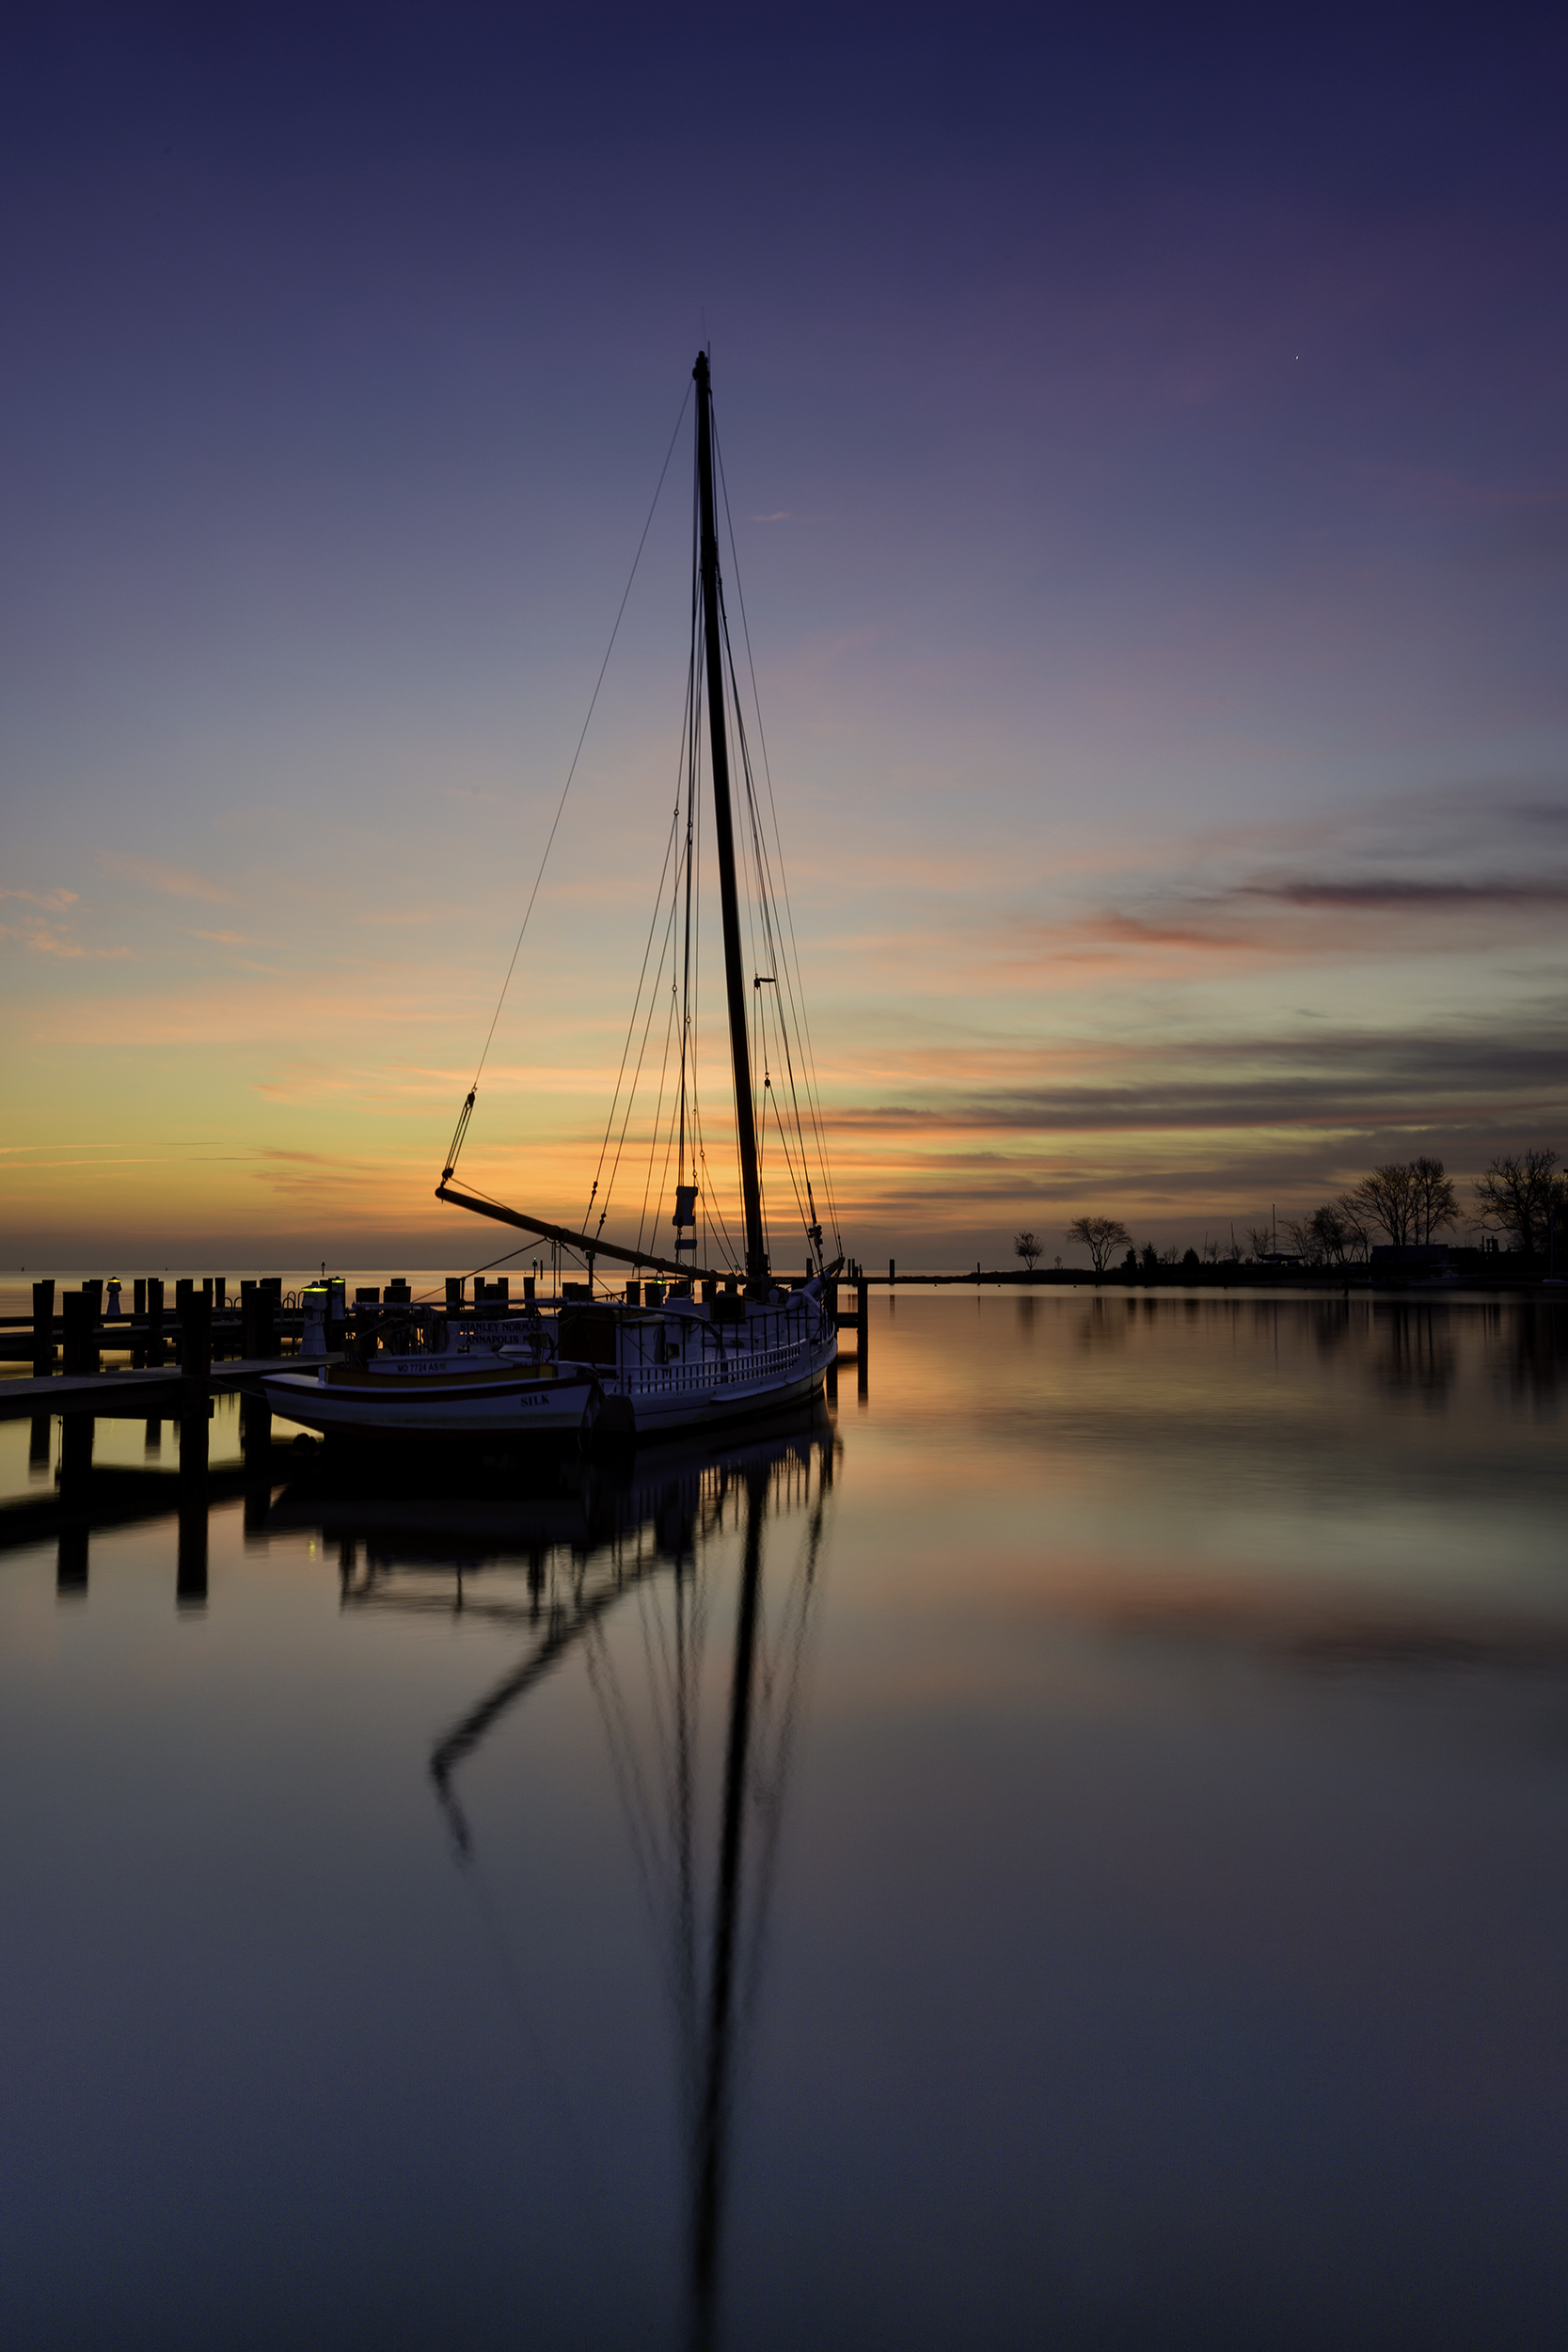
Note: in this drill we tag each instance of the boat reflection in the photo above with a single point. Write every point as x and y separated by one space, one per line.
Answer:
659 1525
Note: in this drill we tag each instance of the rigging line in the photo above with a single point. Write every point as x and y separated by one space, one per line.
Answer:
764 865
637 1000
725 1237
808 1051
582 738
659 1109
794 1181
789 1164
763 869
654 996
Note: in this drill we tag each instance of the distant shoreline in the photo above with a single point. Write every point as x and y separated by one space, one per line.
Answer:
1309 1281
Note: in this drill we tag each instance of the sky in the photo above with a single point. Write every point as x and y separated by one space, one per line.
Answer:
1145 445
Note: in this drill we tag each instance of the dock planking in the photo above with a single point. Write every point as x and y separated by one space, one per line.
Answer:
136 1395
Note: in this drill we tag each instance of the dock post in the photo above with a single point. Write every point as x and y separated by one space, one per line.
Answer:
863 1333
43 1329
891 1272
38 1443
154 1321
196 1339
75 1311
139 1323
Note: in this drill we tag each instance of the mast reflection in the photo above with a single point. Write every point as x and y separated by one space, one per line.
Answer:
651 1528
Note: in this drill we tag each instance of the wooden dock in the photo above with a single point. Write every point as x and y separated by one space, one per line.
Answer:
165 1395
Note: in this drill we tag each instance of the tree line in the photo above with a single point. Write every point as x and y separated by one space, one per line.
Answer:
1522 1196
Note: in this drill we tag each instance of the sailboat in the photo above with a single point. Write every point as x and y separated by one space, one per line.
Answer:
710 1343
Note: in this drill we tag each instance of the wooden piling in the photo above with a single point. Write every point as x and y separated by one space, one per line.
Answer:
78 1348
154 1321
195 1336
43 1330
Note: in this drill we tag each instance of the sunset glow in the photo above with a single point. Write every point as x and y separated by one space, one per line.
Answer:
1152 538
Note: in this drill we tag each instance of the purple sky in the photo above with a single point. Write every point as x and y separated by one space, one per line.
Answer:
1147 450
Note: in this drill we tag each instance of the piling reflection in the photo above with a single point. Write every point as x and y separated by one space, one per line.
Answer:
653 1526
1416 1353
1527 1352
1104 1324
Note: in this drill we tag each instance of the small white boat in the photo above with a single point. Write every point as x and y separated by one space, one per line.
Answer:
720 1340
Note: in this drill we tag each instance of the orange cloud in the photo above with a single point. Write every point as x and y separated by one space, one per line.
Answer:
174 881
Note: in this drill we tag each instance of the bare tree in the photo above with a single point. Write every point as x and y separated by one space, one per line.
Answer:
1521 1195
1437 1202
1336 1234
1028 1247
1390 1196
1306 1241
1099 1236
1259 1241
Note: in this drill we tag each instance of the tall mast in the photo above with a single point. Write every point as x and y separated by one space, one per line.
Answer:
735 971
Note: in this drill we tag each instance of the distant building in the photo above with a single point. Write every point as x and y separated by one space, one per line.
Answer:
1423 1257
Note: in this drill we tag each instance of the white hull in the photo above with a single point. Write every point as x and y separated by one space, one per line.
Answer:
419 1398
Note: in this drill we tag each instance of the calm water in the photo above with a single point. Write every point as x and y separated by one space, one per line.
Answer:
1128 1905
